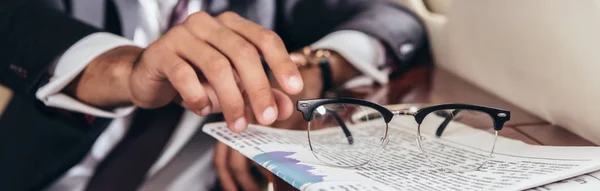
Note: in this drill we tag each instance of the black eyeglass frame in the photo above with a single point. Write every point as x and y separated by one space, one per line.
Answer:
307 107
499 116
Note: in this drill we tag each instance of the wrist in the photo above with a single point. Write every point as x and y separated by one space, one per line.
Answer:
341 70
105 81
313 82
123 67
335 70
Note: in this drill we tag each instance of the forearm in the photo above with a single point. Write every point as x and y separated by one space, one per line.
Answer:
105 81
394 26
90 60
399 30
31 37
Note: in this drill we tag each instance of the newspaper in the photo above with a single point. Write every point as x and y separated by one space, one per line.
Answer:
513 166
584 182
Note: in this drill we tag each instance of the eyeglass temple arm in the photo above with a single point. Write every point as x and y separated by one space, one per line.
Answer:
444 124
343 126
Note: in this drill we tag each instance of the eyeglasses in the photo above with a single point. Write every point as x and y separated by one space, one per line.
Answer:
346 132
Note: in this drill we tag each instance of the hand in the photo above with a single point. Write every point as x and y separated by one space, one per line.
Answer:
206 63
341 71
233 168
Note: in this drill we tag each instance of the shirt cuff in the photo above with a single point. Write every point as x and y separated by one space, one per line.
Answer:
364 52
71 64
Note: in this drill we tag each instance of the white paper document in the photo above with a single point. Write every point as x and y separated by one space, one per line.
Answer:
584 182
513 166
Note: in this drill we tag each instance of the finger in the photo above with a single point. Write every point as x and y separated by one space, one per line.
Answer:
262 170
214 100
177 100
222 166
265 172
272 48
228 95
245 58
241 170
185 80
298 58
249 114
284 104
145 92
188 47
219 73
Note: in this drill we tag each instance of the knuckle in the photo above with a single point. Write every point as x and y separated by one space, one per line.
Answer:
152 48
177 30
260 92
268 37
197 17
197 101
218 64
246 50
179 70
236 107
162 44
220 32
228 15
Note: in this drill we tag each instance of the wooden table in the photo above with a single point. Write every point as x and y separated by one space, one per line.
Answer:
434 85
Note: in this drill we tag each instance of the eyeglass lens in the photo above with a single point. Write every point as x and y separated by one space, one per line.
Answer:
454 125
338 138
348 135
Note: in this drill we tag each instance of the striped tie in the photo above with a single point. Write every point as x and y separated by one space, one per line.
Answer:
180 12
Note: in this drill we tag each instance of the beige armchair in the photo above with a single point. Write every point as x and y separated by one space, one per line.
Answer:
542 55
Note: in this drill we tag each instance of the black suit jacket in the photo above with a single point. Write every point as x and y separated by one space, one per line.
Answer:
38 144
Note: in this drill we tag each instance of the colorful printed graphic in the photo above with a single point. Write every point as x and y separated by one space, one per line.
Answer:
287 168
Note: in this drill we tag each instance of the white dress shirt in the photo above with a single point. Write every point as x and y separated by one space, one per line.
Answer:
362 51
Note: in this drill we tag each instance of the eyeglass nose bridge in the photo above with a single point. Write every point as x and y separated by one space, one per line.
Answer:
405 109
409 111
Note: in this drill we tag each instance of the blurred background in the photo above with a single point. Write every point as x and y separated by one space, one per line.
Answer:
539 55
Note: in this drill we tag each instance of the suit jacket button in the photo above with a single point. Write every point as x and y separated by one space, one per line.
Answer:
406 48
21 72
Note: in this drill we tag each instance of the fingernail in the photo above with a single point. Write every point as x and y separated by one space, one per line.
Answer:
205 111
269 115
240 124
295 82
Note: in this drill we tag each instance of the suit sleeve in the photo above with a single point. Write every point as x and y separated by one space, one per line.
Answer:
32 36
399 30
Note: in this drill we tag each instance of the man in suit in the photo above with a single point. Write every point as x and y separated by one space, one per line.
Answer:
80 68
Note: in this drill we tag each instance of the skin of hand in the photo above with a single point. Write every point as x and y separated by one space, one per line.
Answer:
234 169
207 64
